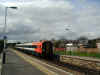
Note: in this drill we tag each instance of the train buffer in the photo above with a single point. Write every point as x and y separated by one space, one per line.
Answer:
18 63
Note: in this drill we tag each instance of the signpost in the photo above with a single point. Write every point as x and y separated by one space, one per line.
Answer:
4 51
69 47
5 37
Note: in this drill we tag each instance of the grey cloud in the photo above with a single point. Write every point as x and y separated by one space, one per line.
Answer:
34 22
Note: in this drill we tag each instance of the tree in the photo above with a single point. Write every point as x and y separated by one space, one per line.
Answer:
57 43
92 43
82 38
1 45
18 42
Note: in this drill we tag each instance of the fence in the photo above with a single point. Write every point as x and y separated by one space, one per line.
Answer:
75 51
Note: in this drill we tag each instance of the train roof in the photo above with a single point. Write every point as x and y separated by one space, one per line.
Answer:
32 43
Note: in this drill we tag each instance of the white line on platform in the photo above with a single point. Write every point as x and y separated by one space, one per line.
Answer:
68 73
53 67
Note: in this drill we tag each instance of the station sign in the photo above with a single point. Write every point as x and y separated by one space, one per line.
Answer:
5 37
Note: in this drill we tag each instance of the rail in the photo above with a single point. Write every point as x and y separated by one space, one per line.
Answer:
85 62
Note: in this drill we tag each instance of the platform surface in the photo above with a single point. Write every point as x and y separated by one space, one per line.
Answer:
15 65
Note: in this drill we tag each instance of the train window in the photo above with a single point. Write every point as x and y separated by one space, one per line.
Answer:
29 46
34 46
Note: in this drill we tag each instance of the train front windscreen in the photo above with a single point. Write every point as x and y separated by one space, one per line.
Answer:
47 48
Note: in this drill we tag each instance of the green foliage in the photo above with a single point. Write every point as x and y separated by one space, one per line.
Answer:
73 53
60 52
1 45
82 38
92 43
57 43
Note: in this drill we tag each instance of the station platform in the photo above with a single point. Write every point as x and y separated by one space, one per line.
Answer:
15 65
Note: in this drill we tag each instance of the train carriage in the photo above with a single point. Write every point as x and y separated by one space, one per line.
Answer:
43 48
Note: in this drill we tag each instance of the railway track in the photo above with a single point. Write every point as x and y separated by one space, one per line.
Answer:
76 70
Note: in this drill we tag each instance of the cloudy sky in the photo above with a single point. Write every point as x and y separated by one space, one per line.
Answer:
47 19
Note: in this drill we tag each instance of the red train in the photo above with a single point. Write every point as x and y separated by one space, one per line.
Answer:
43 48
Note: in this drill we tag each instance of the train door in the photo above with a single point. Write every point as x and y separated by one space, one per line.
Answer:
47 48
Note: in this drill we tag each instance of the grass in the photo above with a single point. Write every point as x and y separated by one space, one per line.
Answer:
60 52
73 53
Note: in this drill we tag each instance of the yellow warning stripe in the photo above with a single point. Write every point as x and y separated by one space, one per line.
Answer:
33 63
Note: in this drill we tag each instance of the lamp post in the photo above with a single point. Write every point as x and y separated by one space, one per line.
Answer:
5 37
69 45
